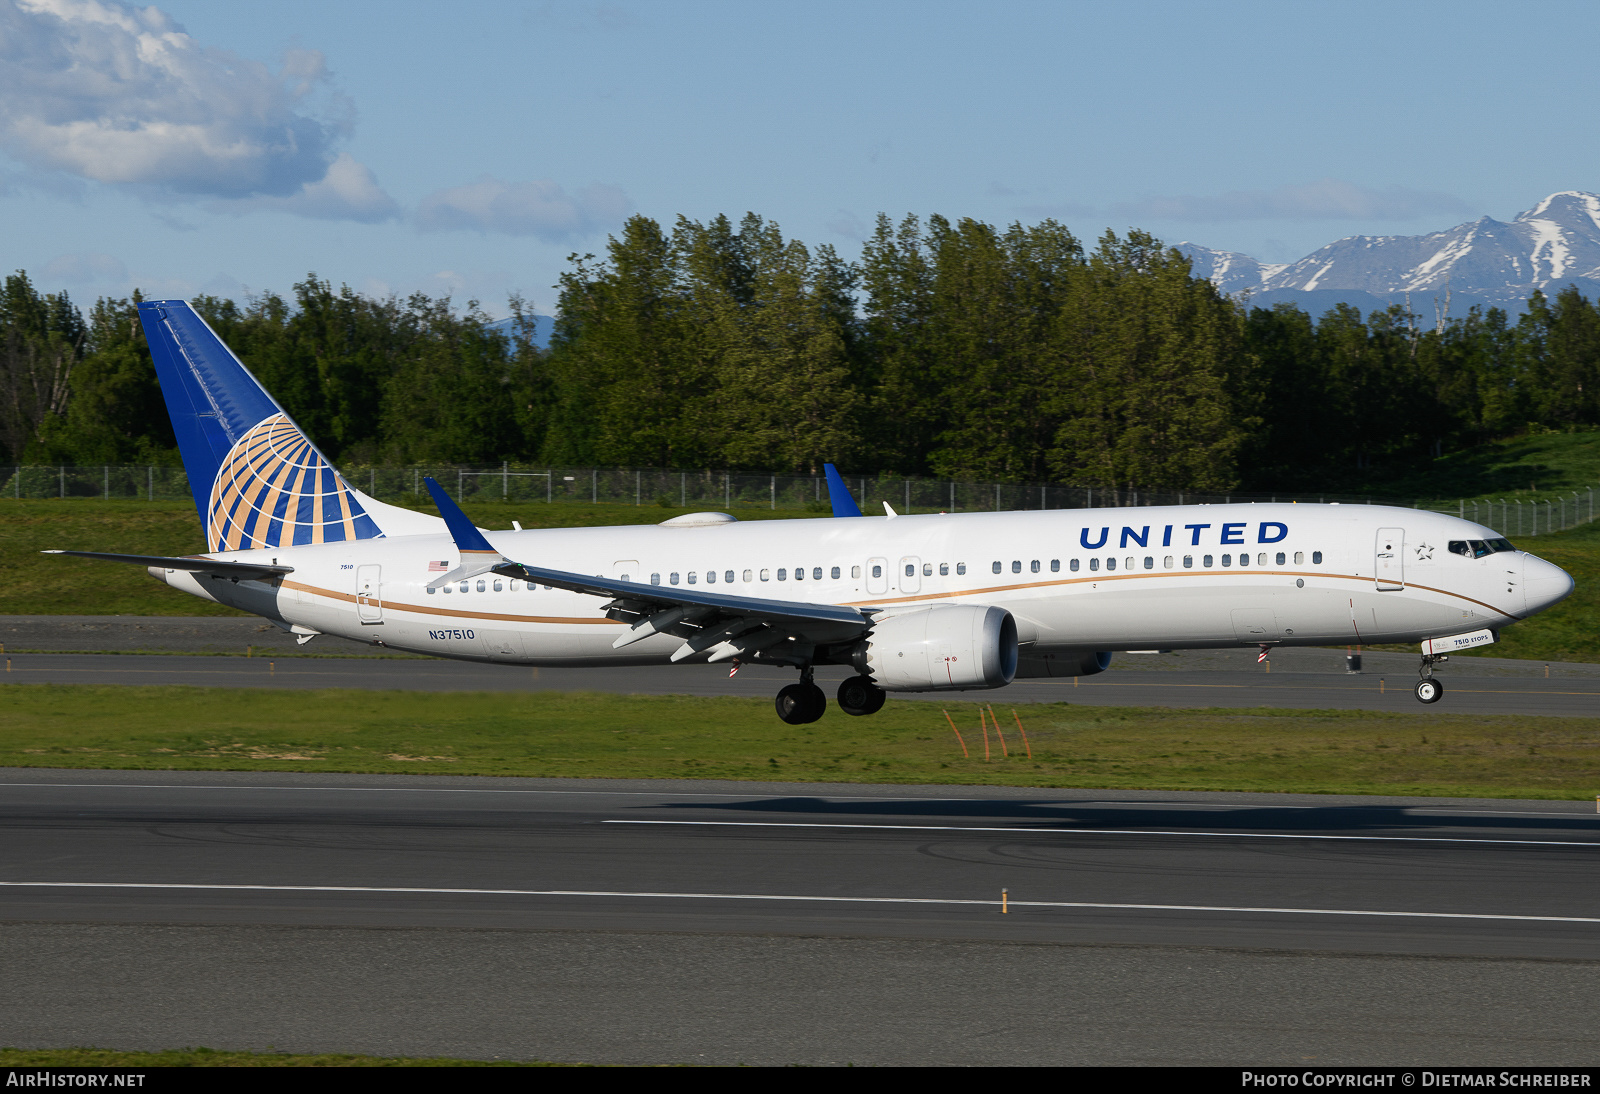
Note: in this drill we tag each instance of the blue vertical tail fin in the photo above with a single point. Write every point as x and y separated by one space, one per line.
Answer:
839 494
258 481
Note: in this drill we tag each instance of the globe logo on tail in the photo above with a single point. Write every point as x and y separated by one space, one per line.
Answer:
274 489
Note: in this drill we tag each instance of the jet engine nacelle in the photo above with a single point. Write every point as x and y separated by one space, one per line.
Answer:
947 647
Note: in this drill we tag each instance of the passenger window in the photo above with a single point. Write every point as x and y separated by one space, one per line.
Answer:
1188 562
449 589
834 573
498 589
1149 562
1227 560
877 571
1016 565
961 567
1244 560
464 586
1094 564
855 571
747 576
764 574
1055 565
693 577
655 579
1073 565
1111 564
1130 564
1261 559
482 586
816 573
927 569
1316 558
1299 558
673 579
996 567
1033 567
799 573
431 590
783 575
1206 562
911 570
728 577
1166 563
944 569
711 577
1282 558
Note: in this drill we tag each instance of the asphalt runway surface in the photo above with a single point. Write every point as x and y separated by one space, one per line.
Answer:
1467 688
721 923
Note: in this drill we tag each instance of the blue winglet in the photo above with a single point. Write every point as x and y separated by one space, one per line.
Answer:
839 494
467 537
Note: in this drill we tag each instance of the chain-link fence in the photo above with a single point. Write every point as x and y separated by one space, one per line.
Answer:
1521 516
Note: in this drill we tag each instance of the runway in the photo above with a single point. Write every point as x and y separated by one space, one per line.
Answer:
635 922
1320 683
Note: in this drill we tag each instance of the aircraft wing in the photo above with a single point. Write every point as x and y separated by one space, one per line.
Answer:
722 626
199 565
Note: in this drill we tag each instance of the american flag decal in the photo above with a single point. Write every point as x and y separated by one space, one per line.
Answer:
438 567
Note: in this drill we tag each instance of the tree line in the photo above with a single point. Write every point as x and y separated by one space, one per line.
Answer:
950 349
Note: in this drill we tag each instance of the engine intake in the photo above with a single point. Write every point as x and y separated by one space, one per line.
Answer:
947 647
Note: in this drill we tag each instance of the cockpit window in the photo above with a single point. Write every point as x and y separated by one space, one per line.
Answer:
1478 548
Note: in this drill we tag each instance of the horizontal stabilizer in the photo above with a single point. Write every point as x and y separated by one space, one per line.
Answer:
198 565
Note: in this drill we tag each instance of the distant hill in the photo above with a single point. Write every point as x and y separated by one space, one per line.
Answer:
543 326
1485 262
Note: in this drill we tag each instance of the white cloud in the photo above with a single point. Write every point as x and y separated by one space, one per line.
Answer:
1325 199
84 268
349 191
123 96
539 208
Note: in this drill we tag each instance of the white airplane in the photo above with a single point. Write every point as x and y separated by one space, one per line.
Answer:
953 601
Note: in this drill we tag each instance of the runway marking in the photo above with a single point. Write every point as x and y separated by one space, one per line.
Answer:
790 897
1112 832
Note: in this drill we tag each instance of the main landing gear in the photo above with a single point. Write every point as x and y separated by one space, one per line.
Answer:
1429 690
803 703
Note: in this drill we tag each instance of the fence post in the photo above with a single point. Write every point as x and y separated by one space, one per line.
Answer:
774 492
460 474
151 488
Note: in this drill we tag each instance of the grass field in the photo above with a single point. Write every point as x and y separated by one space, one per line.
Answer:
610 736
206 1057
1533 467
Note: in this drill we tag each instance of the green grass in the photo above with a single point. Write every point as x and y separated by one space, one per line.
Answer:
206 1057
1540 466
610 736
35 584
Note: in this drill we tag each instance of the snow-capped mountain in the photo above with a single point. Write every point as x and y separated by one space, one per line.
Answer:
1487 261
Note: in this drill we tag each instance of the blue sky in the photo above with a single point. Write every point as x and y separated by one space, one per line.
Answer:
469 147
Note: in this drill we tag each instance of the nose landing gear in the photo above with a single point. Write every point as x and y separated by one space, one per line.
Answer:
1428 689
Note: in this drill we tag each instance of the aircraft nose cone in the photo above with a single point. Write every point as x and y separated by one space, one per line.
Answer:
1544 582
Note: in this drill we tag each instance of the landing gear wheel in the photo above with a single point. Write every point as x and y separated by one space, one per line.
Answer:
859 695
1429 690
800 704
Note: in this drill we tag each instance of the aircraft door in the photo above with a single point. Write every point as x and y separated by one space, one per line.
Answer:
369 594
909 576
626 569
1389 568
877 576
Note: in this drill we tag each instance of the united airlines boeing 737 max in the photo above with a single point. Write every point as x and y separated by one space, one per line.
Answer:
914 603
